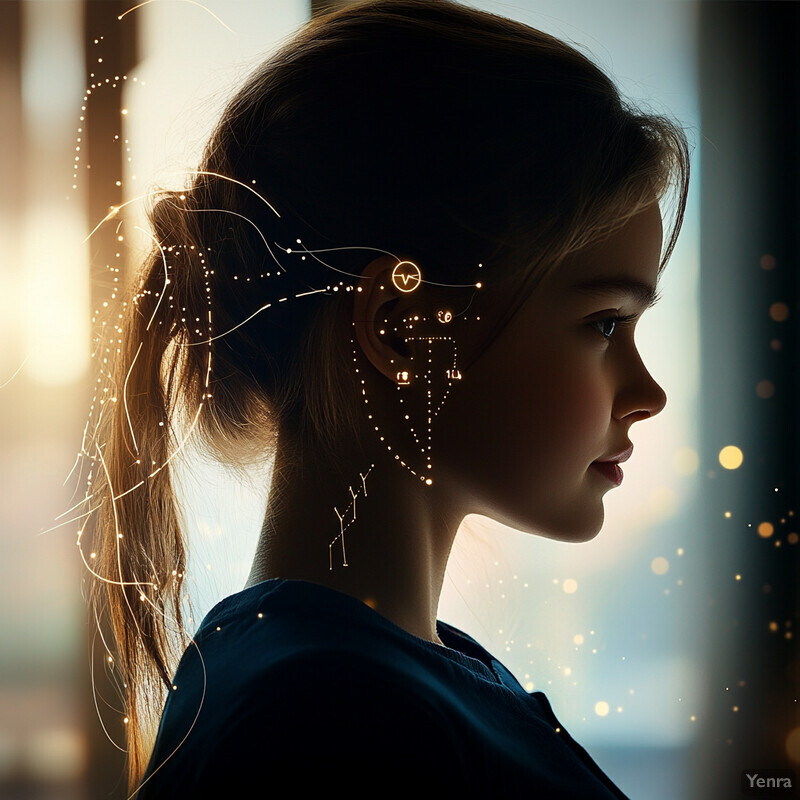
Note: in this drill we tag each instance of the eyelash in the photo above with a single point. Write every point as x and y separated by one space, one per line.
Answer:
616 319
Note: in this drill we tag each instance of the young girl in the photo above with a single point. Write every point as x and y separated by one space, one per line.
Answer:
409 267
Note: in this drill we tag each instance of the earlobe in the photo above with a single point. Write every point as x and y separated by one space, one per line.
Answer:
375 312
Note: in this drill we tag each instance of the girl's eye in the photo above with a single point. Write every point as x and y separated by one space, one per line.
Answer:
612 321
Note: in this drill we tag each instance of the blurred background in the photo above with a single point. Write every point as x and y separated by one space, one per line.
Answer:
668 646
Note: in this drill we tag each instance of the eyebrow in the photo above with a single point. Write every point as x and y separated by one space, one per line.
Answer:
643 293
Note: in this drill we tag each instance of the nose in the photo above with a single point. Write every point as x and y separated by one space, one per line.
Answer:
640 395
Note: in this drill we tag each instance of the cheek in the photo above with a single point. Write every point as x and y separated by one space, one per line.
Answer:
560 406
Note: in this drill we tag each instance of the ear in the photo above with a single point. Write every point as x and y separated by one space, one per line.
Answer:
378 306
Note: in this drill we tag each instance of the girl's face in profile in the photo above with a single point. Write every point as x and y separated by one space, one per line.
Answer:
559 388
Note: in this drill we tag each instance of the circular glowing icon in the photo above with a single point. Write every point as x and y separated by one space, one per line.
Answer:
406 276
444 316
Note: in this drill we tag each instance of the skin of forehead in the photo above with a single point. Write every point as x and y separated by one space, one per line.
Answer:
633 251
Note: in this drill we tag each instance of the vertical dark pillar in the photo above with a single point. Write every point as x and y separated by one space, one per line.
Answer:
750 276
107 773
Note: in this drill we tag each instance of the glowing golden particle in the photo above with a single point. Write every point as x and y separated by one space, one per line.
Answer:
693 718
767 261
429 481
110 660
93 555
577 638
765 530
788 635
679 551
174 687
773 626
141 597
260 615
736 708
727 515
125 720
568 671
731 457
570 586
601 708
793 745
738 577
792 538
685 461
779 312
124 111
659 565
478 285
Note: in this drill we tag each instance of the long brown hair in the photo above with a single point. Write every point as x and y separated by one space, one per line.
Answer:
413 126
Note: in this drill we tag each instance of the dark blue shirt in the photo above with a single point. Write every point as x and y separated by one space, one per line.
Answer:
291 682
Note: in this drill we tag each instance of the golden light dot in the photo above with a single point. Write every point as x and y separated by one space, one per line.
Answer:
731 457
126 720
765 389
568 671
792 538
793 745
428 481
693 718
779 312
110 659
570 586
619 709
738 577
736 708
679 551
601 708
124 111
478 285
93 555
685 461
767 261
577 638
529 686
260 615
765 530
659 565
773 626
727 515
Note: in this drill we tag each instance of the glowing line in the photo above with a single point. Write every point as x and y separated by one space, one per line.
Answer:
116 539
220 335
191 427
125 392
374 250
232 180
16 372
85 500
96 706
68 521
246 219
192 2
191 727
116 209
166 276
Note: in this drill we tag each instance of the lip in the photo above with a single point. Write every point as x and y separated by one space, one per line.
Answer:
610 470
618 458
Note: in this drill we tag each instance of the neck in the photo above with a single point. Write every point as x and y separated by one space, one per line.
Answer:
366 527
